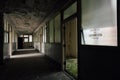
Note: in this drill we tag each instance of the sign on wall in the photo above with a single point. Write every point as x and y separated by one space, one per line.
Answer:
101 36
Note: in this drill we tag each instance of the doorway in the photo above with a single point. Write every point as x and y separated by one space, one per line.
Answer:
20 43
70 47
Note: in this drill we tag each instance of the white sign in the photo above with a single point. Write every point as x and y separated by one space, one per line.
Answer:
101 36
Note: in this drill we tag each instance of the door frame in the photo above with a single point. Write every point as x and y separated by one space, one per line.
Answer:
63 41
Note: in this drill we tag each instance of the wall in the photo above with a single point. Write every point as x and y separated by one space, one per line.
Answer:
52 38
95 62
14 43
13 47
10 39
1 32
38 39
37 45
6 51
9 47
1 40
54 51
27 45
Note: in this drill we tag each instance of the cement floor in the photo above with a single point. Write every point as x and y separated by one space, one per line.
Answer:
31 68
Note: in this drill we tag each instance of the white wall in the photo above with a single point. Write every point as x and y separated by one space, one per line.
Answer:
39 39
37 45
12 38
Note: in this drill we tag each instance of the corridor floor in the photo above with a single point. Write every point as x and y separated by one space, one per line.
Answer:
31 68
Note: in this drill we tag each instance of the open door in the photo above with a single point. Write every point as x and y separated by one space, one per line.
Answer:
70 47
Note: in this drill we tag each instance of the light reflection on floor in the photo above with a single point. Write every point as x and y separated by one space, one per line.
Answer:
26 55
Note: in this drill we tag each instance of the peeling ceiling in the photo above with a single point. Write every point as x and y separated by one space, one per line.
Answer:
27 15
26 23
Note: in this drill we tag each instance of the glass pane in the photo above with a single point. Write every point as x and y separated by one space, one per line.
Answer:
25 35
51 31
21 36
25 39
70 11
99 22
57 29
30 38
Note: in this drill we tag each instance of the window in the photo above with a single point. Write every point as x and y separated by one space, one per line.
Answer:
21 35
25 35
71 10
99 22
6 31
51 31
57 29
30 38
25 39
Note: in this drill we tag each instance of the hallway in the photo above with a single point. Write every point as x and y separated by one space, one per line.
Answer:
59 40
37 67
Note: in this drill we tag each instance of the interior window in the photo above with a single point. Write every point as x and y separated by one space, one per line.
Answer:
57 29
71 10
99 22
30 38
25 39
51 31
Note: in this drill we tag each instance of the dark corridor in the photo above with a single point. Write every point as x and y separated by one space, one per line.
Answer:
40 25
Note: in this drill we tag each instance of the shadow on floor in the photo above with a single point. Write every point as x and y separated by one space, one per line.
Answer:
31 68
25 51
